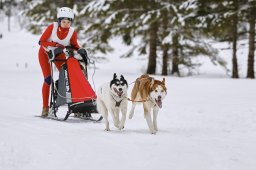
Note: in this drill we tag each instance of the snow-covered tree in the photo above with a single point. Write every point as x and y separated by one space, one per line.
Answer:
43 12
171 32
251 13
225 22
163 27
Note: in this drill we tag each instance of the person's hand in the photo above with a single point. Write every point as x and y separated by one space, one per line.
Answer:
59 45
83 54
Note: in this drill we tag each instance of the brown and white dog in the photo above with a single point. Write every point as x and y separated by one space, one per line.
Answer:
151 92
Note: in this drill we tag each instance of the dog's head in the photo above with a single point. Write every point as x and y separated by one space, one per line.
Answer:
158 91
118 85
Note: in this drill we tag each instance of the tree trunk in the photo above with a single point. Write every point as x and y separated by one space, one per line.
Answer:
250 69
234 41
9 18
152 49
165 60
165 46
175 55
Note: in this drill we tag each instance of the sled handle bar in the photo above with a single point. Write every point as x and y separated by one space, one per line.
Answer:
53 53
88 59
63 60
69 47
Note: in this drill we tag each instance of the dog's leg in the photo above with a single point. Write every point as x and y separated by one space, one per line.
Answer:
117 123
150 124
124 111
132 110
148 118
103 110
134 94
155 113
106 121
115 116
105 116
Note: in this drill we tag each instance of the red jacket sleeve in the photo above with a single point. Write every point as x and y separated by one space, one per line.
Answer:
73 41
45 36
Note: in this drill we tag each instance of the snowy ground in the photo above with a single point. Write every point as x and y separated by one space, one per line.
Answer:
207 123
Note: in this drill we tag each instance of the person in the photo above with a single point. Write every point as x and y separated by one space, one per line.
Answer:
57 34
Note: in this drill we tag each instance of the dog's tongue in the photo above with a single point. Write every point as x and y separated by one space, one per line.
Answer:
119 93
159 103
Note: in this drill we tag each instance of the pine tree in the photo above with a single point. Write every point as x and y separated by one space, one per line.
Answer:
224 19
167 27
152 48
129 20
252 17
184 37
165 46
42 13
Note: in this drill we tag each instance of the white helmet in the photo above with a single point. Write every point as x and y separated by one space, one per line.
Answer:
65 12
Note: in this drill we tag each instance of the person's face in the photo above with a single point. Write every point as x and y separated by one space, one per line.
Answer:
65 23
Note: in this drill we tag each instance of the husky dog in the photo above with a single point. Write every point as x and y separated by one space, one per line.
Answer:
151 92
112 97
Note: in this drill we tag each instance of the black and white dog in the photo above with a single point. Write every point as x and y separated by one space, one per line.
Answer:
111 98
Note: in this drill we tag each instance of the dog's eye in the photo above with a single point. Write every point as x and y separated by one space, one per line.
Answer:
156 91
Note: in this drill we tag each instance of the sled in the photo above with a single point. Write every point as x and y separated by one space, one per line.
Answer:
72 88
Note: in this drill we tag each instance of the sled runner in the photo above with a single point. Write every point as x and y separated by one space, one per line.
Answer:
72 89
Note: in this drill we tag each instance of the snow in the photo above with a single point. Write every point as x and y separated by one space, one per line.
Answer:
207 122
111 18
96 6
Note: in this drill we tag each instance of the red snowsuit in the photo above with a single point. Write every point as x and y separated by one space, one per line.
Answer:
43 57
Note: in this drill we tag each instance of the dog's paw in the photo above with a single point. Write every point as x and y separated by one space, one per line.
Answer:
130 115
121 127
116 125
107 129
153 132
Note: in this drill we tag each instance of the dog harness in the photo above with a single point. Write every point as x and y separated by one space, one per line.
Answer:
117 103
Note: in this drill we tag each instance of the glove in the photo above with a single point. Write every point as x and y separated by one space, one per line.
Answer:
59 45
69 52
52 54
83 54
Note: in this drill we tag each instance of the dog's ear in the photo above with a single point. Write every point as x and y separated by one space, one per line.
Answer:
122 78
152 82
163 81
114 77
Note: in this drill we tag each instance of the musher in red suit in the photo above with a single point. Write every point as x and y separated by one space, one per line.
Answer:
58 34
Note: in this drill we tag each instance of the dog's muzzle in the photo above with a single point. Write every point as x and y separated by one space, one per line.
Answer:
159 101
119 92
